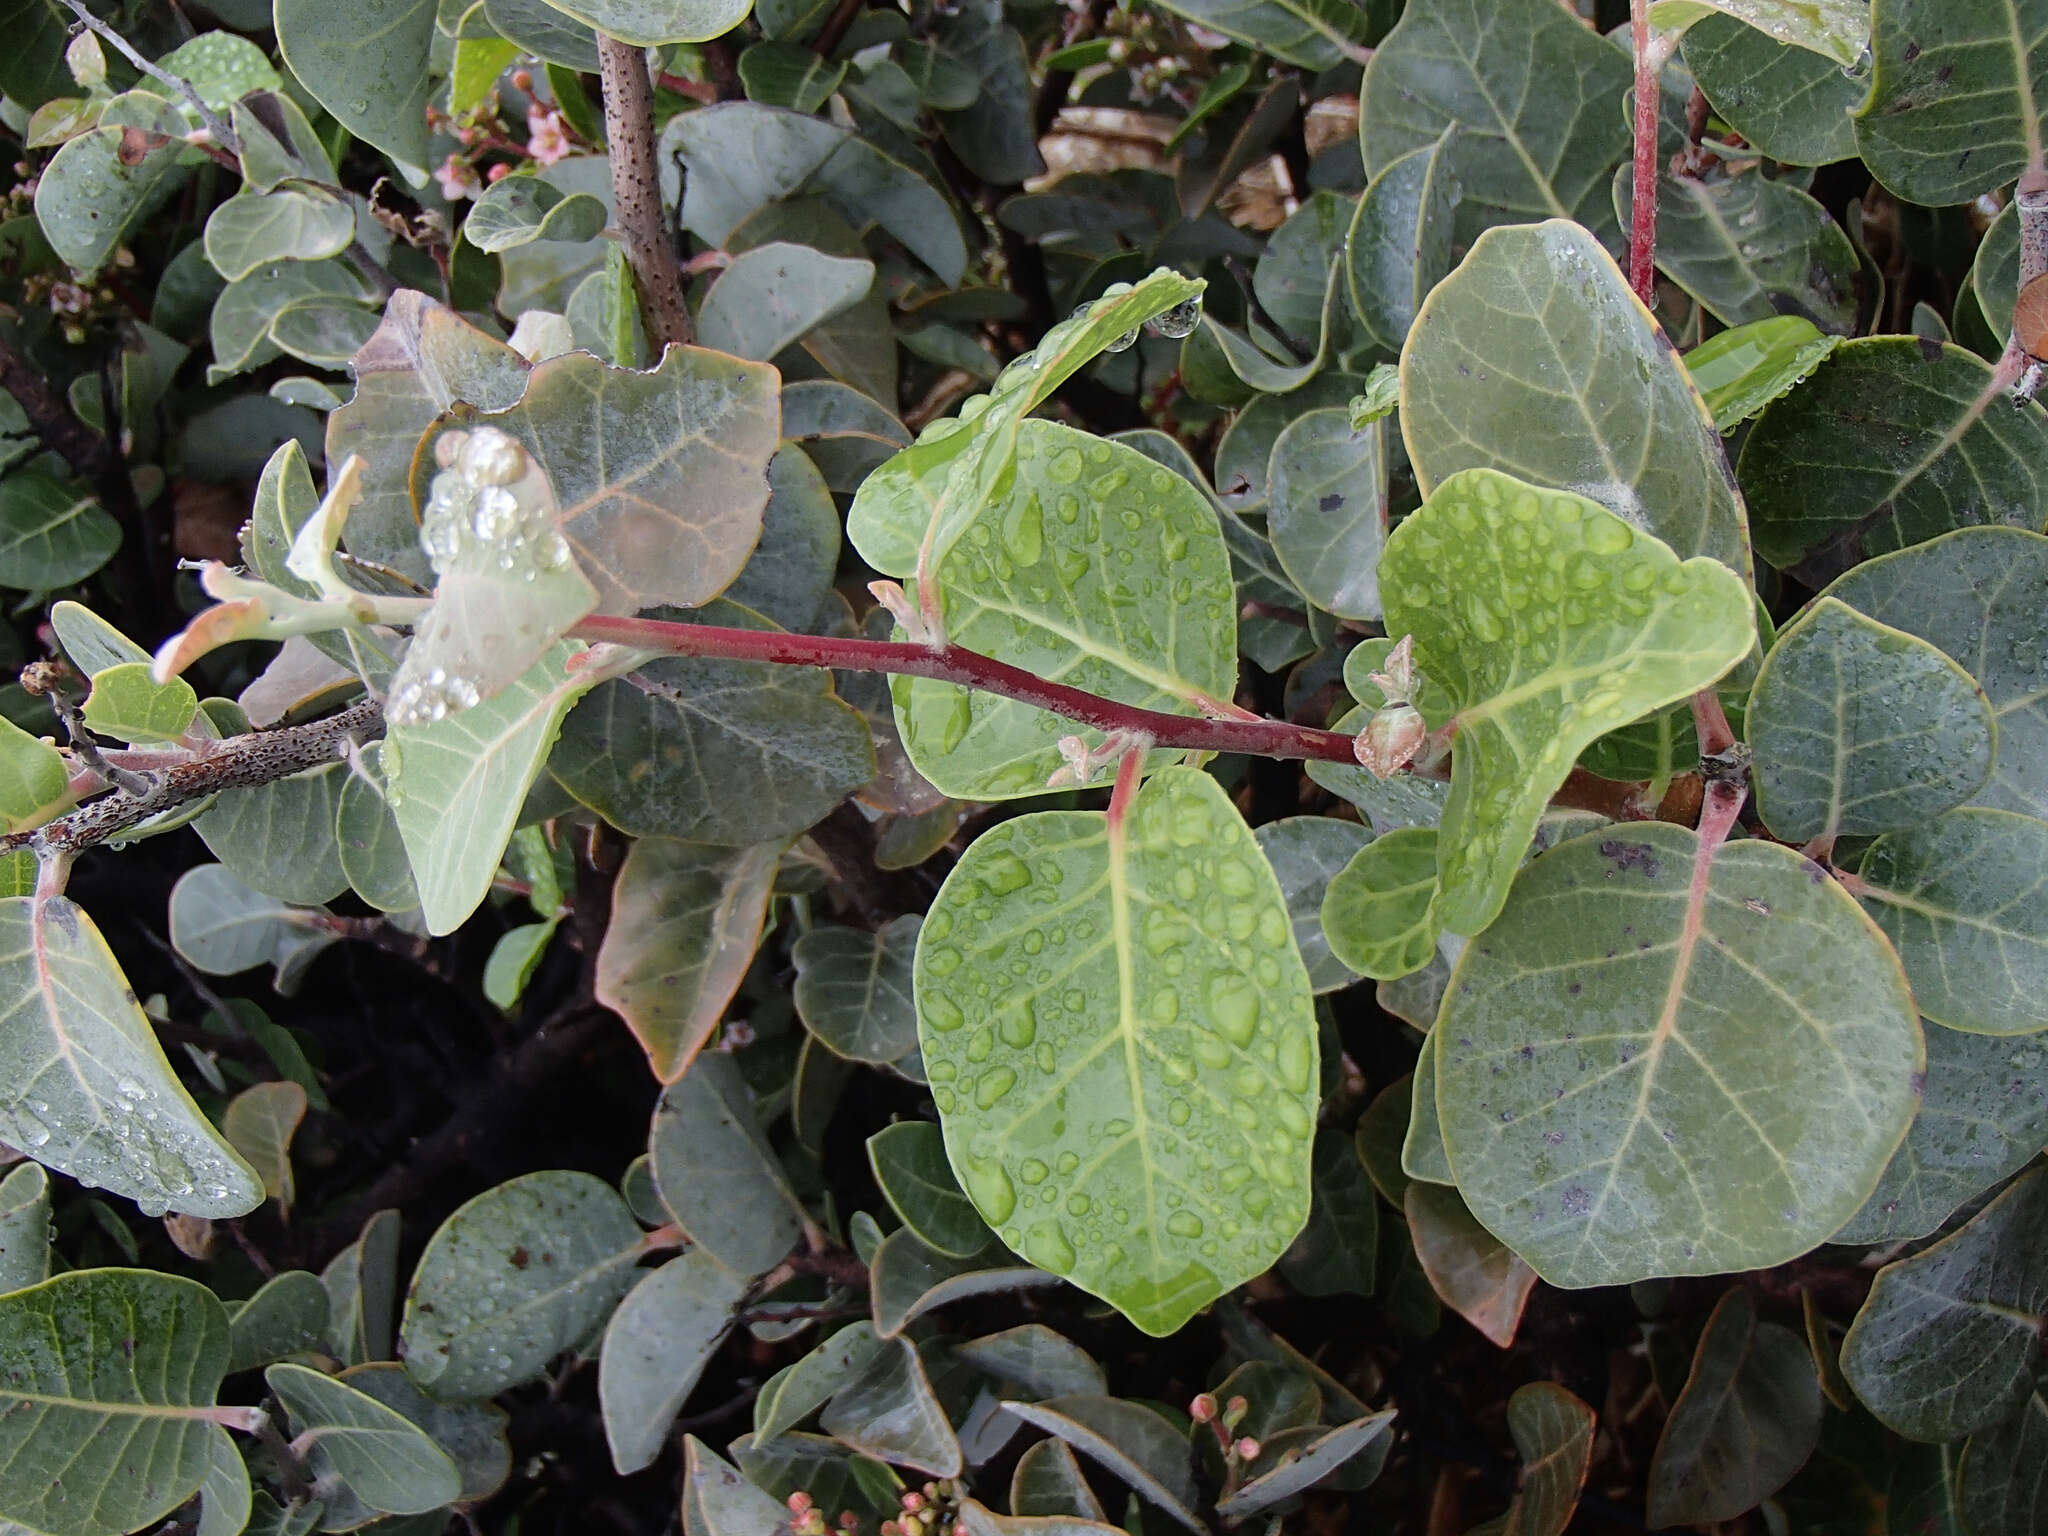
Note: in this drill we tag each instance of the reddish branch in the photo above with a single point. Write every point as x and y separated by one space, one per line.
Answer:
956 664
1642 234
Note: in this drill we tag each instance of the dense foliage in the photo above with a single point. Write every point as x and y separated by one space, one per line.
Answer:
903 697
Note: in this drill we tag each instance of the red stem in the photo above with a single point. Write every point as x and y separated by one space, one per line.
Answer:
1710 723
1642 234
956 664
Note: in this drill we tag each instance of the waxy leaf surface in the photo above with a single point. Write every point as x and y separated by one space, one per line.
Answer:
1131 1107
1668 1061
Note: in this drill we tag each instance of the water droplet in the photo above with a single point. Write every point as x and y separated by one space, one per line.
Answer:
1184 1224
989 1188
1234 1006
1048 1247
1180 320
994 1083
1123 343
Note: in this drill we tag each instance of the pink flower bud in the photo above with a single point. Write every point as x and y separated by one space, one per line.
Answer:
1203 1408
1247 1449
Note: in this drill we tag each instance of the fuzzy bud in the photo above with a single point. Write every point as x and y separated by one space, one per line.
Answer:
799 1503
1234 1412
1390 740
522 79
1247 1449
1203 1408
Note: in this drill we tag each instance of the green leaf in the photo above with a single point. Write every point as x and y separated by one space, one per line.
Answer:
716 1172
1893 441
226 1499
1095 566
995 138
1533 94
908 1279
1423 1157
799 1389
685 921
925 497
1983 1117
1035 1360
1320 1453
421 360
1745 368
641 749
370 71
1136 1443
51 534
2001 1487
366 830
1399 246
544 32
1553 1431
24 1227
1327 490
1964 900
35 784
1948 1340
909 1162
647 23
1955 102
1312 34
109 1370
1292 277
853 991
127 703
1597 404
513 959
1477 1275
656 1346
513 1278
478 65
738 156
471 1434
1306 852
1836 29
1379 911
1748 248
278 838
1747 1420
286 1316
1335 1252
1381 1130
89 1092
518 210
717 1501
379 1455
661 476
255 228
889 1412
456 784
1646 1009
278 143
1172 963
259 1123
1978 594
1546 621
362 1291
1049 1481
1858 728
225 927
1793 104
104 184
768 298
789 75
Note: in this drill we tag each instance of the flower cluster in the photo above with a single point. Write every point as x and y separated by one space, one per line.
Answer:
484 135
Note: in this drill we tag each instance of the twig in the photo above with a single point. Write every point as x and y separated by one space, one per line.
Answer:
1642 234
217 129
957 664
51 415
239 763
834 31
636 192
372 268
